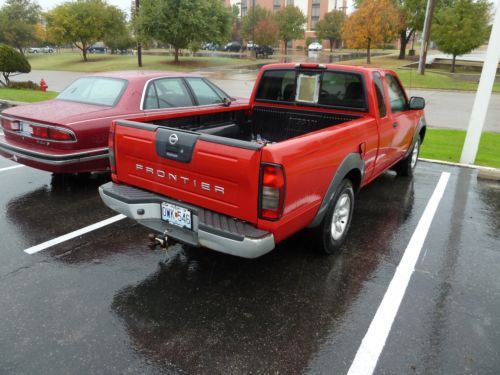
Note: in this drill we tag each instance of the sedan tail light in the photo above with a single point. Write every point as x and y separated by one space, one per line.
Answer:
39 131
111 144
272 191
9 124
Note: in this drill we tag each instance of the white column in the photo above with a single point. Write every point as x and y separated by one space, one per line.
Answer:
483 94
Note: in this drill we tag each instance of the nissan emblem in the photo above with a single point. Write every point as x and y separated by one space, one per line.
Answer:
173 138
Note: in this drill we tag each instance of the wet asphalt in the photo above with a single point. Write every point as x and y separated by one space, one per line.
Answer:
104 303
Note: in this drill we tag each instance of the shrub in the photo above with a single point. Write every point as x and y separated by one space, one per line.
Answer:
24 85
12 61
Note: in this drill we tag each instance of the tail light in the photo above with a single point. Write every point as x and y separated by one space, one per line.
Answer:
46 132
9 124
111 145
272 191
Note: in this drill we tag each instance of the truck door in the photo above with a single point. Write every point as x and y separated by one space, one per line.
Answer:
403 120
386 152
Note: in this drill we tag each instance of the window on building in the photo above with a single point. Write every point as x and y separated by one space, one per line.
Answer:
276 5
314 13
289 2
244 8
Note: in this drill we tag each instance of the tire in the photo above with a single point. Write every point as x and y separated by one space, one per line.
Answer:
333 229
406 167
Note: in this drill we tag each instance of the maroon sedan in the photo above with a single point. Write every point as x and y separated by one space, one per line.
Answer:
69 134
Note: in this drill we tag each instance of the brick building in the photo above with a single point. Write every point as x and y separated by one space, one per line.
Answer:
314 10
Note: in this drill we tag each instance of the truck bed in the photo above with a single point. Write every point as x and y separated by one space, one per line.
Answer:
265 125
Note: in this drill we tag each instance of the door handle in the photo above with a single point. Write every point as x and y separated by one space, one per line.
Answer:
395 125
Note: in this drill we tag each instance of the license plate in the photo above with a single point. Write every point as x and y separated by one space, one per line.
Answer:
175 215
25 128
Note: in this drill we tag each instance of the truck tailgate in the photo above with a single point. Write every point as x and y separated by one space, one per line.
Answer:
212 172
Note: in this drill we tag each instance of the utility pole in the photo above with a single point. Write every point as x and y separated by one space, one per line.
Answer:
483 94
139 45
429 12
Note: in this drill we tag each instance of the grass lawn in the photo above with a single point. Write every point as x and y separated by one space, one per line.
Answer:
430 80
72 61
27 96
444 144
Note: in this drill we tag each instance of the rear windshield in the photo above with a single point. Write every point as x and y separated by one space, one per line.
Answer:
94 90
325 88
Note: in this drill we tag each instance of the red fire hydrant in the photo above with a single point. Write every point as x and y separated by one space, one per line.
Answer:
43 85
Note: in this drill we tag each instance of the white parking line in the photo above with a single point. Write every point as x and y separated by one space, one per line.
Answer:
76 233
374 341
12 167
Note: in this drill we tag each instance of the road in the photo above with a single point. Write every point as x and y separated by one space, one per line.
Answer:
444 109
103 303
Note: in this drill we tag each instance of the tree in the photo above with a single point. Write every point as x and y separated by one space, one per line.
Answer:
181 22
330 27
82 23
266 32
18 20
291 23
118 36
375 22
462 27
251 20
12 61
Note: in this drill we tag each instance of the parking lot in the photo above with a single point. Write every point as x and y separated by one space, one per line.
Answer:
103 302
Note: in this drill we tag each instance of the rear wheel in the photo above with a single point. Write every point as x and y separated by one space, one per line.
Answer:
406 167
335 225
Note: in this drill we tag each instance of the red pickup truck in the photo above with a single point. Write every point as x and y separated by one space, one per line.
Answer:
243 177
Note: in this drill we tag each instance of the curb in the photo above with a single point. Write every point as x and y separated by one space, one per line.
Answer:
484 173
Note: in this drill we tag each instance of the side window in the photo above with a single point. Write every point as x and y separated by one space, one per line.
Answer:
205 94
379 90
397 96
167 93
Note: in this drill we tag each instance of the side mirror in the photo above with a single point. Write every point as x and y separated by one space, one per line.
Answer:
226 102
416 102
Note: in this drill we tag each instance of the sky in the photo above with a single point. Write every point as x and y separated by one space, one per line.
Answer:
49 4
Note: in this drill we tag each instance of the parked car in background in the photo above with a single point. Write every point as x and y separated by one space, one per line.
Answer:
70 134
315 46
263 51
251 45
41 50
97 49
210 46
233 46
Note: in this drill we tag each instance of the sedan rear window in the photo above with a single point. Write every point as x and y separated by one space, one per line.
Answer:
94 90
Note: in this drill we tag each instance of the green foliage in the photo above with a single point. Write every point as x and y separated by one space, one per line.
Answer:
266 32
460 28
24 85
12 61
330 27
250 21
18 19
118 35
181 22
83 23
291 22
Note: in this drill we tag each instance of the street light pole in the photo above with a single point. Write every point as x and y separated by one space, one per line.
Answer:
483 94
431 4
139 45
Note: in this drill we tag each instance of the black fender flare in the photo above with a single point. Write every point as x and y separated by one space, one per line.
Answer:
351 162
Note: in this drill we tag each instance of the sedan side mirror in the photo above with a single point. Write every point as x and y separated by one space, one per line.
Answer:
226 102
416 102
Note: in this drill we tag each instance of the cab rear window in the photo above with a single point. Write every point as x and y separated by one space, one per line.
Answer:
335 89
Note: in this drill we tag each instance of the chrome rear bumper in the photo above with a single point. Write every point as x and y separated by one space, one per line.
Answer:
211 230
